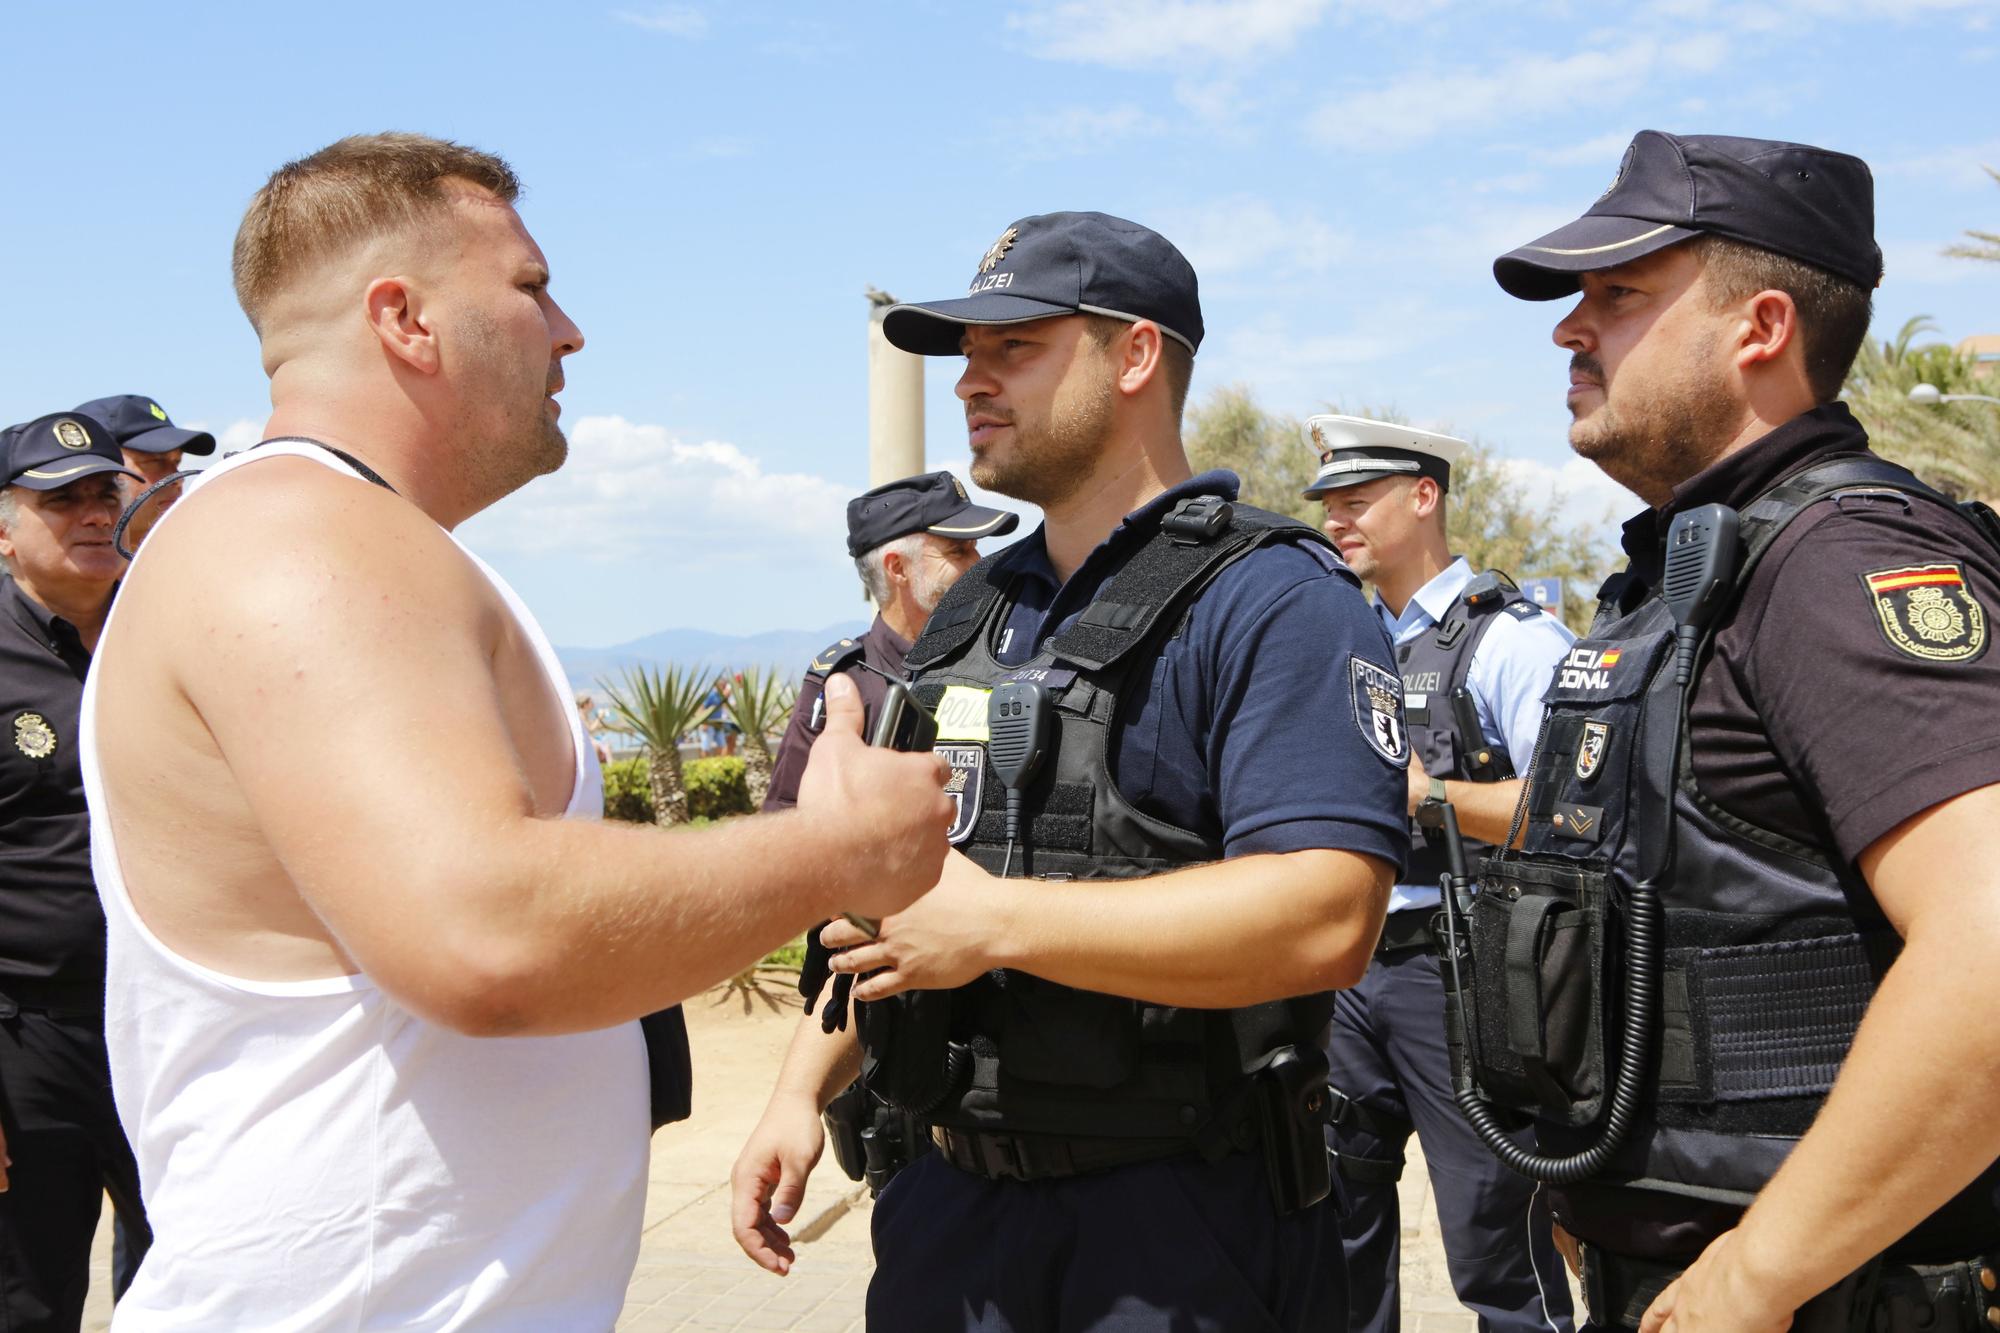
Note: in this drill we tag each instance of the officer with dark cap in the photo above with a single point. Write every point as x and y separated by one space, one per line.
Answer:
154 448
1476 657
61 1147
910 540
1740 972
1181 731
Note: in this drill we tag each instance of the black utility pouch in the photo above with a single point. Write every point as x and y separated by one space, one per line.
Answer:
845 1117
1293 1107
1536 998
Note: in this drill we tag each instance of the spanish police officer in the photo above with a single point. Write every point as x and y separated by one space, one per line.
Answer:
154 447
1181 732
1740 971
61 1148
1475 657
910 540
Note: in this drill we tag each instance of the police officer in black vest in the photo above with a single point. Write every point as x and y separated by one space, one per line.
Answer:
61 1147
1740 972
1181 730
1476 657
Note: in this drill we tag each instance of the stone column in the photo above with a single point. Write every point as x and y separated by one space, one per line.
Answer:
895 402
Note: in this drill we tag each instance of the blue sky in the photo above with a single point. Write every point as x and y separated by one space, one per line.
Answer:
715 184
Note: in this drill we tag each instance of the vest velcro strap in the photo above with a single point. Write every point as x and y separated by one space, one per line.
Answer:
1112 615
958 616
1777 1019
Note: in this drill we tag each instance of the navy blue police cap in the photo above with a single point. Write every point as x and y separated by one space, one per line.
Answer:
933 502
53 451
1061 264
142 425
1807 203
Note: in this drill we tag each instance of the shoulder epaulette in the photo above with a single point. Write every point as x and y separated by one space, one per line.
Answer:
833 657
1523 610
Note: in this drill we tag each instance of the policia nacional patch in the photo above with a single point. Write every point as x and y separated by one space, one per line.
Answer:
33 736
1928 612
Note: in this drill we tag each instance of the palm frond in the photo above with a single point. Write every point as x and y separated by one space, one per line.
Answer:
659 705
760 700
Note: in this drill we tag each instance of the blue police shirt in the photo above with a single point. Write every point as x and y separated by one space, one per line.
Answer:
1248 726
1510 672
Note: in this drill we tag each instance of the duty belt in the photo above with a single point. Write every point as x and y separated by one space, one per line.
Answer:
1881 1298
1045 1156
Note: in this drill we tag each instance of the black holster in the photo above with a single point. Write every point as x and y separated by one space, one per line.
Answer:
872 1140
1292 1106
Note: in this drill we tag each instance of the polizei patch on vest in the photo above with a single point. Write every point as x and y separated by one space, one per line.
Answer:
964 786
1927 612
1378 710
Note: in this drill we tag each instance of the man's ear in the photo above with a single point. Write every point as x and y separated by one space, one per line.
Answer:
1769 328
1425 495
396 316
1138 352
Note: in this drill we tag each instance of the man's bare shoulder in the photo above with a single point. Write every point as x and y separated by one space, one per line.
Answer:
290 549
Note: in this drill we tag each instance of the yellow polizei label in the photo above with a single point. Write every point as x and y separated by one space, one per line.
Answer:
961 714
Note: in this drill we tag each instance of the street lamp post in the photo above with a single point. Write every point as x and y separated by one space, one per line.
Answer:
1929 395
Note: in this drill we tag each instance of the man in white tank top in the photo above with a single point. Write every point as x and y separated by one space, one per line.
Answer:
372 971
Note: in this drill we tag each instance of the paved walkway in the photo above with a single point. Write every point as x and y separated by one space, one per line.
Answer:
691 1275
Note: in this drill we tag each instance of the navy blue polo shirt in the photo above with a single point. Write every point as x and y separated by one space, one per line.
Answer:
1248 727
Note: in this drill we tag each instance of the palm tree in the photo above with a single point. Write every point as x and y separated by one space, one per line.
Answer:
660 707
1986 244
1953 446
759 701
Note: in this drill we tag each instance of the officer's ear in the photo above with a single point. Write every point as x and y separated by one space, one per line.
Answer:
1137 353
1426 497
397 318
1768 327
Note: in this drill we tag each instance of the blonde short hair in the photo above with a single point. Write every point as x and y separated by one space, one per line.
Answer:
347 193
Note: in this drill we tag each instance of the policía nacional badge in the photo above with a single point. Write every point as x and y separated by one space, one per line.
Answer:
71 434
1378 710
1590 751
964 786
33 736
1928 612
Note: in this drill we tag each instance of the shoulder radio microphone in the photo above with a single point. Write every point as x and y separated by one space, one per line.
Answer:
1702 550
1018 719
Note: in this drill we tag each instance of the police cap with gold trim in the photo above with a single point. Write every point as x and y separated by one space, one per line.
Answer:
1353 450
1810 204
933 502
55 450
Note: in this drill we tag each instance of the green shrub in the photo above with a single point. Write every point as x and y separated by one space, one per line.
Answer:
628 794
716 788
788 955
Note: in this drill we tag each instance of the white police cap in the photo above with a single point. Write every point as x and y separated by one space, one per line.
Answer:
1353 450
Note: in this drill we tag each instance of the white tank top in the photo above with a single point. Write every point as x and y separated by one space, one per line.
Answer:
316 1157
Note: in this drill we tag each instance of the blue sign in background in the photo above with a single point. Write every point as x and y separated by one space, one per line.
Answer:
1546 593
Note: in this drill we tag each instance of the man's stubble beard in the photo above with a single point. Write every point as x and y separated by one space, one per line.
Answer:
1052 458
1663 432
526 444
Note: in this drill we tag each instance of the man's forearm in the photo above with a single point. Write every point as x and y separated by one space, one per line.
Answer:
818 1064
569 926
1908 1124
1231 933
1485 809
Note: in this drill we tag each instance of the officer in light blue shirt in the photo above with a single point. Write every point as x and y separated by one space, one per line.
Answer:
1475 657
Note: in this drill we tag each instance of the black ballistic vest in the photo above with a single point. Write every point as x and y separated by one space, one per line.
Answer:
1772 947
1016 1053
1434 666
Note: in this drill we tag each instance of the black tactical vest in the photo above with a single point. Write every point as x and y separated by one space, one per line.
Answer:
1772 947
1013 1052
1444 731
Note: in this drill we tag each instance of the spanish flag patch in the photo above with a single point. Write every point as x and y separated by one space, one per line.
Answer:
1928 612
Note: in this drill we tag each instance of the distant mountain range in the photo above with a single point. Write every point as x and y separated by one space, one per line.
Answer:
787 649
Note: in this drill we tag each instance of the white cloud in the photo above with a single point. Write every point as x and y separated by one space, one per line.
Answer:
1417 106
630 489
1246 234
1075 131
1588 497
1923 262
1602 150
1960 166
1136 34
674 20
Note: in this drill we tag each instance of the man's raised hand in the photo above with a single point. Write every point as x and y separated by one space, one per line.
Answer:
889 805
